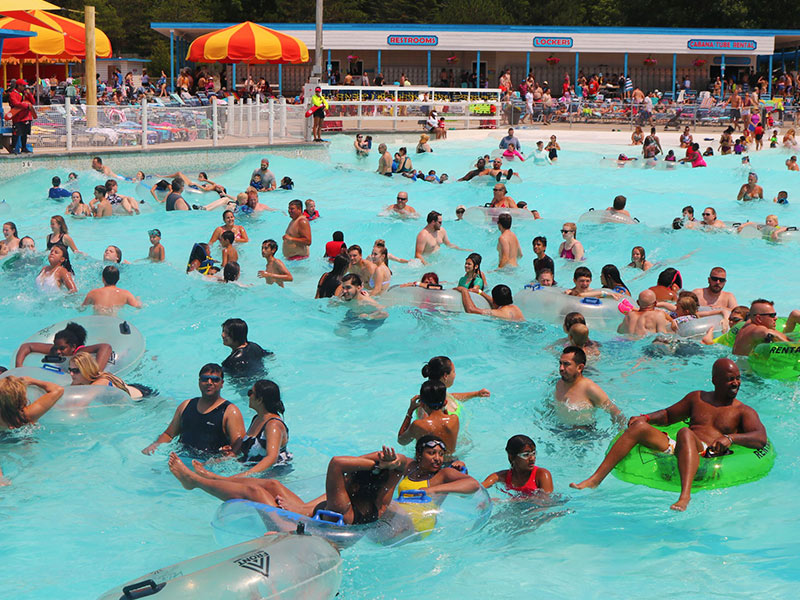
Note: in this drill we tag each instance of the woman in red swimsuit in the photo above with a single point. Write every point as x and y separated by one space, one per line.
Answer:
524 477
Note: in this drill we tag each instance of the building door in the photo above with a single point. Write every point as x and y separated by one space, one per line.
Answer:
333 67
484 72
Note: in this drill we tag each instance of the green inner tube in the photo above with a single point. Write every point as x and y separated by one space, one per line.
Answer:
729 337
660 471
778 360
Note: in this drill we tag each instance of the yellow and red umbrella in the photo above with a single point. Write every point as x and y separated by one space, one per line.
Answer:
65 39
19 9
249 43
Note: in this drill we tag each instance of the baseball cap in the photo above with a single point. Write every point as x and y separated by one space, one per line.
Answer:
317 89
21 82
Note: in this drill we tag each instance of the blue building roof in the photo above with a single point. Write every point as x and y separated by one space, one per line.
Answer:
165 27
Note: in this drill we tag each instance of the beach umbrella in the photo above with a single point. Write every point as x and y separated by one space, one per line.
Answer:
64 38
18 10
247 43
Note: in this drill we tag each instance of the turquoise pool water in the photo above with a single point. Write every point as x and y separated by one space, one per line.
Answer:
86 510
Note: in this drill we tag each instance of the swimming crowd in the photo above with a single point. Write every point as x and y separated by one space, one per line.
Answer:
362 487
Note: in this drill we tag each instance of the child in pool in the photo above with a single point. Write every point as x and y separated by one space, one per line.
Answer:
511 152
229 253
256 182
156 253
524 477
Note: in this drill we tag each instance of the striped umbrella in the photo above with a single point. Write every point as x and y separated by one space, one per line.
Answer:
19 10
247 43
52 42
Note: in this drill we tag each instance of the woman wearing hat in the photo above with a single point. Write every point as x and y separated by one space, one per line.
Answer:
423 145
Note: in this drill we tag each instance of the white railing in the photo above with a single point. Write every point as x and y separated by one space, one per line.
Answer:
75 126
357 107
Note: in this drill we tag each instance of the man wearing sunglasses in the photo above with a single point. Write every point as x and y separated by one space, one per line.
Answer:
206 423
713 295
760 327
402 208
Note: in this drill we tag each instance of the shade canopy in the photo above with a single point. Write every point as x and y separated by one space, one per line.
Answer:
249 43
6 5
63 39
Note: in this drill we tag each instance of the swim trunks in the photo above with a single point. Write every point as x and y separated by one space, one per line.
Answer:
672 443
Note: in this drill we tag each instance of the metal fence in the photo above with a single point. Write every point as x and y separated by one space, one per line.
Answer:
75 126
625 114
70 126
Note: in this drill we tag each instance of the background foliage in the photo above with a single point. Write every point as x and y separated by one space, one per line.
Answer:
127 22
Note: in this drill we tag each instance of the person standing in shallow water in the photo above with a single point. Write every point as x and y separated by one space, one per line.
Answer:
205 423
297 238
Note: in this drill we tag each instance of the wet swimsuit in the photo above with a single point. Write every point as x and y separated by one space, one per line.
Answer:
473 282
203 431
51 243
248 360
172 198
529 486
334 249
545 262
407 484
254 448
57 193
567 253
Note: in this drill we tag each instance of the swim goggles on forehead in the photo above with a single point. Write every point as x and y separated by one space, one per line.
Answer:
433 444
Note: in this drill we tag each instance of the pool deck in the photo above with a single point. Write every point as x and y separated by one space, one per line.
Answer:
230 149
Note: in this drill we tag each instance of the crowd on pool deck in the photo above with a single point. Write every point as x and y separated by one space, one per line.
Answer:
362 487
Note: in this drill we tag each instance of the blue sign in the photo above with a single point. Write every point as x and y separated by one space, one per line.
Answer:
552 42
733 61
412 40
715 45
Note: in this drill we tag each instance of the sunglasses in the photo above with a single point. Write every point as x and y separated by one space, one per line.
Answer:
567 230
401 198
74 370
771 315
722 279
526 455
708 214
211 378
734 320
498 190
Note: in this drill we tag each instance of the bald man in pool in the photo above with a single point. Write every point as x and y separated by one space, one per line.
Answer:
717 420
